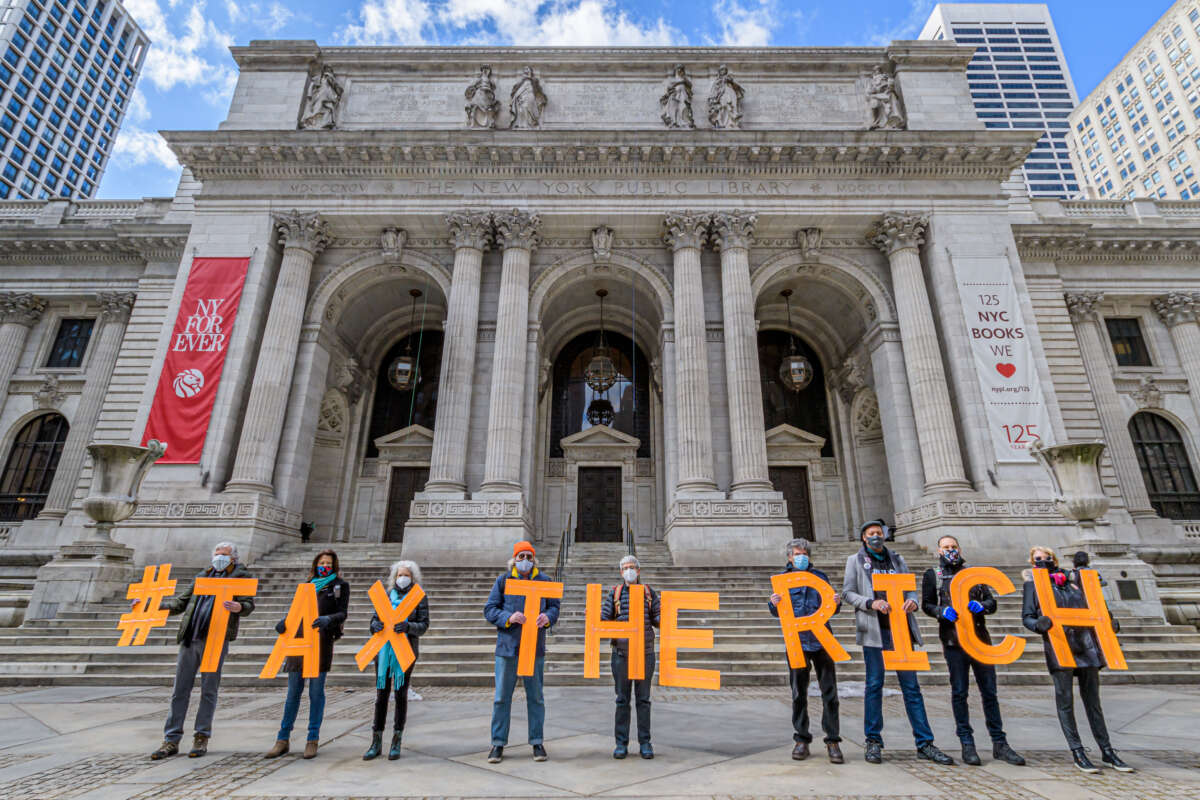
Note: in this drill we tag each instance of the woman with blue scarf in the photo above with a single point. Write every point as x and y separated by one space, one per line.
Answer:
388 675
333 600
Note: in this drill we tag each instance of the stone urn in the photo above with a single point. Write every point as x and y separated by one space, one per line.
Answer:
1075 472
117 473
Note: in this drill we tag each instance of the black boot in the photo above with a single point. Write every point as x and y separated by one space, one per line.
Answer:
1110 757
394 752
376 746
1002 752
1081 761
970 755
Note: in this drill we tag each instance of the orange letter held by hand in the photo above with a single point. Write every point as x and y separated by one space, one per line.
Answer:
670 673
1009 648
534 593
299 637
634 631
389 617
813 623
222 589
901 656
1095 616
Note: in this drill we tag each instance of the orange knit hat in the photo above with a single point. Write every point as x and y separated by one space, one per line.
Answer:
520 547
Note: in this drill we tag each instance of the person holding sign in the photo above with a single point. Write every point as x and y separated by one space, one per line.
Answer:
507 612
1085 648
389 676
616 607
936 602
199 613
874 622
333 601
806 601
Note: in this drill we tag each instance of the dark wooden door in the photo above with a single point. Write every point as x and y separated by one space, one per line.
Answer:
793 482
599 505
406 482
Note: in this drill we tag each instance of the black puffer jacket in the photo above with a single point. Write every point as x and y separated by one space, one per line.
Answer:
1082 641
935 596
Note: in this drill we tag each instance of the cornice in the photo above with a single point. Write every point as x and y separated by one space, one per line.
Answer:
1081 243
18 245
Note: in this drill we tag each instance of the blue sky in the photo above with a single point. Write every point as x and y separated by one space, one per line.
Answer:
189 75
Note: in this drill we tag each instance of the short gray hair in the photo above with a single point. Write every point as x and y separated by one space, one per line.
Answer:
232 548
630 559
394 572
801 544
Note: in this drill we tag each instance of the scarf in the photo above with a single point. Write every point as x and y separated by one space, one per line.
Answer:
321 583
386 664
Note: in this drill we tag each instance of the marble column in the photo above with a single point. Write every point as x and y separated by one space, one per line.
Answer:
115 308
899 236
303 237
19 311
670 437
732 234
1180 312
686 233
1094 347
470 233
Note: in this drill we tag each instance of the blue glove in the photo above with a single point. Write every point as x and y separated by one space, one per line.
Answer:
321 622
949 614
975 607
281 626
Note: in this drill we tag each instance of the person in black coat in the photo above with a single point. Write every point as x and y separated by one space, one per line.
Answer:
1089 660
935 601
615 606
333 601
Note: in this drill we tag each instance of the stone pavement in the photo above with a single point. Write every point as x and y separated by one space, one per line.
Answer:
68 742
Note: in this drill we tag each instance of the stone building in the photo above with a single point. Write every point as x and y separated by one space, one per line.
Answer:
716 297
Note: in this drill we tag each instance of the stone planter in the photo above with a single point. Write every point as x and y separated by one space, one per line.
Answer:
117 473
1075 472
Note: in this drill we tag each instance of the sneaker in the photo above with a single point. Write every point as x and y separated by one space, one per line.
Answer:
539 753
199 746
1003 752
1110 757
1081 761
165 750
874 753
620 751
496 755
970 755
930 753
647 751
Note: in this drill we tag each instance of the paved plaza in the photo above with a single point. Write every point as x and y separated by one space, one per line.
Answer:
77 742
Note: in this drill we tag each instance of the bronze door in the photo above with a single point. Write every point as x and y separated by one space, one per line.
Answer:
793 483
406 482
599 505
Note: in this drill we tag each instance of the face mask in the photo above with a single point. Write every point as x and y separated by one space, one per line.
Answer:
630 575
525 566
1043 563
404 582
221 563
800 561
323 571
950 557
875 543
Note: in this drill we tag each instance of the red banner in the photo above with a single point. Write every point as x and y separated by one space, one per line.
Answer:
187 386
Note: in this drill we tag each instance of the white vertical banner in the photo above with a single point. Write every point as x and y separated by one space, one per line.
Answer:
1000 344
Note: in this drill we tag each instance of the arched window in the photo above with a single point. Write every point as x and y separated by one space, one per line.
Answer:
1165 467
806 409
394 410
572 395
30 467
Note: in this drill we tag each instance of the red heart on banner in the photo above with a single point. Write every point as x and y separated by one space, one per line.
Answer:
1006 370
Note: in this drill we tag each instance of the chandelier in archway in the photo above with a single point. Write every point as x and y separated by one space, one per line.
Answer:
402 373
601 373
795 370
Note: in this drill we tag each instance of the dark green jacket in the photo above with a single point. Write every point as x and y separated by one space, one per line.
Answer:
185 604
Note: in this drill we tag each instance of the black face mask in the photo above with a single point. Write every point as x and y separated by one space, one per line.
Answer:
875 543
1042 563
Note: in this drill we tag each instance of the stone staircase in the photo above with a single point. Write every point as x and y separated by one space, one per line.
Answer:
79 648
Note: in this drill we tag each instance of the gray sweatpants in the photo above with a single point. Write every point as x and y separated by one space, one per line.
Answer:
186 667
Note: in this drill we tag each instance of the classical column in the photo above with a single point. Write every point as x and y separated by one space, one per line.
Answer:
686 232
1179 311
470 233
1093 349
516 233
900 237
732 232
669 415
303 236
114 315
19 311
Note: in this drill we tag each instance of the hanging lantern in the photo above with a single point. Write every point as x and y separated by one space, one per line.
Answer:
795 370
601 373
600 412
402 373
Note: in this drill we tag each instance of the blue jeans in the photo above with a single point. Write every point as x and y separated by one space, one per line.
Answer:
291 706
535 705
914 703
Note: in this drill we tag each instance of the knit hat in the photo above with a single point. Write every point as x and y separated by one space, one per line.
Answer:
522 547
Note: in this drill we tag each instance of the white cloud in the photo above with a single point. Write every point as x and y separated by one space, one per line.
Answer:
176 58
908 28
137 147
277 16
388 22
558 22
233 11
743 26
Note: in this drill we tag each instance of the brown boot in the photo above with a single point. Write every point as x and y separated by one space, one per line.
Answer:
835 753
280 747
800 751
199 746
165 750
310 749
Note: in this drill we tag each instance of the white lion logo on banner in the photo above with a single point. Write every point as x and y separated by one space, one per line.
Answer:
188 383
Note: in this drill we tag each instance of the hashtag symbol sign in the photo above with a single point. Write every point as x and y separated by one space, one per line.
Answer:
135 626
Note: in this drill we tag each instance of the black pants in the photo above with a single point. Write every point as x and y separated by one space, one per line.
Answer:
381 703
640 691
827 680
1089 692
961 666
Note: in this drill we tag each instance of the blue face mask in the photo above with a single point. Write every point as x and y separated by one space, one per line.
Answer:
800 561
221 563
323 571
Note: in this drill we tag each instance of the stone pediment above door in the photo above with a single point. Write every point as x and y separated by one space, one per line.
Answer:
414 443
791 444
600 443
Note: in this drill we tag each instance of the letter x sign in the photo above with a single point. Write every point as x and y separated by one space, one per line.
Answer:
389 617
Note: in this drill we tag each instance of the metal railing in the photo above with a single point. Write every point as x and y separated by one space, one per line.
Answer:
564 543
630 542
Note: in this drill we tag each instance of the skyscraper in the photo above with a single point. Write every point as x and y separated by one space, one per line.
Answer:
67 73
1018 79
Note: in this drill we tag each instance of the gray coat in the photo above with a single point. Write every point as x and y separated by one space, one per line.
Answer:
857 591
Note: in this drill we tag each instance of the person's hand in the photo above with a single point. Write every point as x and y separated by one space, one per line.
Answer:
882 606
321 622
975 607
281 626
910 606
376 626
1043 624
542 621
516 618
775 598
949 614
134 602
232 606
401 627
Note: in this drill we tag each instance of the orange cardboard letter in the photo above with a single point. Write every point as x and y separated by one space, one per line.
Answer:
534 593
634 630
901 656
299 638
389 617
1095 616
222 590
1008 649
136 625
814 623
670 673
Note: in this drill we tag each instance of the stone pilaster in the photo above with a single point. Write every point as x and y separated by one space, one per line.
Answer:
900 237
732 235
115 308
19 311
303 237
516 233
1180 311
670 418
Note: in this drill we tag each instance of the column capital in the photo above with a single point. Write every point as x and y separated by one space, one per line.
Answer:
517 229
470 229
686 229
116 306
898 231
1174 308
307 232
1082 305
22 308
733 229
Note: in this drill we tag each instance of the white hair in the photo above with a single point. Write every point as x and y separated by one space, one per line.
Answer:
630 559
394 571
232 549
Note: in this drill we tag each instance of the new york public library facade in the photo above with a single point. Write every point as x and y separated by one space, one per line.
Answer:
838 210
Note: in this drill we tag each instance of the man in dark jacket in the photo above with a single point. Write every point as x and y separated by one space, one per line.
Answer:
193 629
616 607
805 602
507 613
935 601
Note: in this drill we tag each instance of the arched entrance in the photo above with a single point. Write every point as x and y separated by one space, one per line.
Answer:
29 469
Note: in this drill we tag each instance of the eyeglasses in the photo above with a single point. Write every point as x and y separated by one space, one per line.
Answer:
524 556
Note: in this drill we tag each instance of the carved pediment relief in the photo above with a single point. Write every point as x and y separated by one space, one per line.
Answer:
414 443
600 443
789 443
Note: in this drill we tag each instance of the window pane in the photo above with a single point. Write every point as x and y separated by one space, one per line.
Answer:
29 470
1127 342
71 343
1165 467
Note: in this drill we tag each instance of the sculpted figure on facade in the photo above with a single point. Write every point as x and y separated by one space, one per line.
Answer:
482 105
391 242
602 242
725 101
809 241
321 104
884 102
676 100
527 102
